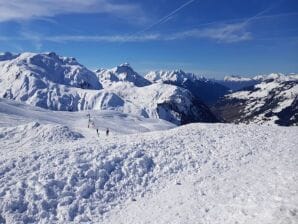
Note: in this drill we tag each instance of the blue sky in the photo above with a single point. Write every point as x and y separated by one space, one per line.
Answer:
209 37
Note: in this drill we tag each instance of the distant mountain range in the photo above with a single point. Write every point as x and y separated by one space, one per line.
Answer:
62 83
236 83
274 99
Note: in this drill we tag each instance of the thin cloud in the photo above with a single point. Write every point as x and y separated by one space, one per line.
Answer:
34 9
230 33
98 38
226 33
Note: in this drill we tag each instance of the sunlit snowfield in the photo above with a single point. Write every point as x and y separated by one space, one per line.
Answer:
53 169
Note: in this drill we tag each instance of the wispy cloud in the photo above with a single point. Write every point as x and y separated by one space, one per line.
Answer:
228 33
225 33
104 38
32 9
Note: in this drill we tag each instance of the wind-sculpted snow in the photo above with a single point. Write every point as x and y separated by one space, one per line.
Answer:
38 132
217 173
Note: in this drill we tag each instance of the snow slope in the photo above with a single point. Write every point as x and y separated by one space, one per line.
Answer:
14 114
208 173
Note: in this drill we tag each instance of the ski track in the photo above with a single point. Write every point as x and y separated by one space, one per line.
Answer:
198 173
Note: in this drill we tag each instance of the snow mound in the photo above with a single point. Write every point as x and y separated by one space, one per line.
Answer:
38 132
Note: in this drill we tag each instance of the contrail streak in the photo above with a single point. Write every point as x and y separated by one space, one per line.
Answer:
165 18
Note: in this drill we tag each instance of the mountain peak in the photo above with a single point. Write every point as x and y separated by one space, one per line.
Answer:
121 73
177 75
47 69
125 64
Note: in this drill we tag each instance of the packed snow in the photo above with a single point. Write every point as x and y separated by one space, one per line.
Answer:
145 171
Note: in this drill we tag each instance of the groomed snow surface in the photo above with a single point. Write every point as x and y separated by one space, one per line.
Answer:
53 169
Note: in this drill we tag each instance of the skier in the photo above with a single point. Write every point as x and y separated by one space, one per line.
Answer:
97 132
89 120
107 132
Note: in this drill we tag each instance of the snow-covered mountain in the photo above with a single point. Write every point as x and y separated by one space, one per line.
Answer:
236 83
274 100
60 83
203 89
46 80
163 101
33 71
53 169
121 73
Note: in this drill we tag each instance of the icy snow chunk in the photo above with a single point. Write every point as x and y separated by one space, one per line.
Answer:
86 190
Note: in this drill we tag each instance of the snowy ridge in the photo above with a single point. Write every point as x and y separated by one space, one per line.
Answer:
174 76
235 78
237 82
218 173
275 76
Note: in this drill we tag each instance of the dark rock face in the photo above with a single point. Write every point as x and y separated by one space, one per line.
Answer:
261 109
289 115
198 112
